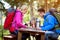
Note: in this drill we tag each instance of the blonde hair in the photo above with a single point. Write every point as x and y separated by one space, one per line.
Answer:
24 7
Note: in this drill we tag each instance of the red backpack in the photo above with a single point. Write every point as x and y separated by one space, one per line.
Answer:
9 19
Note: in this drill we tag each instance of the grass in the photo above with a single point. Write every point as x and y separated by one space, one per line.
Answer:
5 32
1 38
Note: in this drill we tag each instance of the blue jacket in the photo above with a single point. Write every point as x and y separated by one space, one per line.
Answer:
49 23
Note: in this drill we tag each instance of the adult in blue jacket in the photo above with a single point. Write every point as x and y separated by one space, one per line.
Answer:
49 23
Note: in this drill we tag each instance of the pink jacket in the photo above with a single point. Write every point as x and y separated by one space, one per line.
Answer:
17 21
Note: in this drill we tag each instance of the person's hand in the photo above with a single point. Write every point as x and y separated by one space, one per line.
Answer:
29 27
38 28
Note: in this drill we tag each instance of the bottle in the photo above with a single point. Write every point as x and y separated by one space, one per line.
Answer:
37 23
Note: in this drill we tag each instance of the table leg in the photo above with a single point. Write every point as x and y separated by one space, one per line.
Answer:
19 35
42 37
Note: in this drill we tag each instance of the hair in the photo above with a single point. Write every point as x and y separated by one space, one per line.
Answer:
23 7
41 10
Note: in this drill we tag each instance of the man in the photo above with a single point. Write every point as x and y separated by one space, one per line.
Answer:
49 24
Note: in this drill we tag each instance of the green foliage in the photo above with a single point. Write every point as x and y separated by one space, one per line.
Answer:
0 26
26 18
0 38
15 2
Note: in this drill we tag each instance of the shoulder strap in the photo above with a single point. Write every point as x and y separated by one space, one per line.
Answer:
57 17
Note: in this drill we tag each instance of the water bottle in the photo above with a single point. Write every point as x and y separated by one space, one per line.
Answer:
37 23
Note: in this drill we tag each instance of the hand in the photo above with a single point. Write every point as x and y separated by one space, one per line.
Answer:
38 28
26 26
29 27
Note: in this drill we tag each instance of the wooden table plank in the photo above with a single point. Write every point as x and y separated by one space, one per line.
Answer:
31 31
19 35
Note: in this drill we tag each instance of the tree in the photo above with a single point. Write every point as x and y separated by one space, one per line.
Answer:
16 2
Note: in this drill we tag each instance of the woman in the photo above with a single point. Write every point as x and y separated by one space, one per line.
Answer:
18 21
49 24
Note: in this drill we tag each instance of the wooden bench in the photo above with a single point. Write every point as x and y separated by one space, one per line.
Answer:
10 37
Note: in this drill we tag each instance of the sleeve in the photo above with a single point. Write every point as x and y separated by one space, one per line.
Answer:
19 19
50 24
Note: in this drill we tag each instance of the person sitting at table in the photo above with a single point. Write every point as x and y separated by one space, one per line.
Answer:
18 22
49 24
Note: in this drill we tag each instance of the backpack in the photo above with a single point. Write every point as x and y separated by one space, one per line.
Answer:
57 15
9 19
